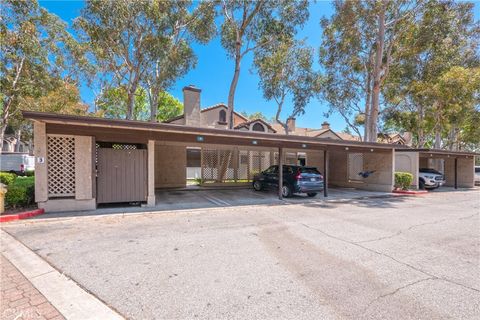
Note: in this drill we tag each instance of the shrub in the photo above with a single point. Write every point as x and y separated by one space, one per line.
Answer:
7 178
29 173
403 180
21 192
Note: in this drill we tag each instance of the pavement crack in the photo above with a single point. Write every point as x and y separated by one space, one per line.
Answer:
390 257
391 293
412 227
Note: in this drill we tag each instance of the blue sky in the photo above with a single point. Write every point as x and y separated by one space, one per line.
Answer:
214 70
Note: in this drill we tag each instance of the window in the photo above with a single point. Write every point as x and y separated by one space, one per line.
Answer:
258 127
222 116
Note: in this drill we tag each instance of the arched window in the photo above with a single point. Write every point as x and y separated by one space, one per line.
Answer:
222 116
258 127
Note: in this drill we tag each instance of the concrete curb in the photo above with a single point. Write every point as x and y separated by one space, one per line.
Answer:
22 215
63 293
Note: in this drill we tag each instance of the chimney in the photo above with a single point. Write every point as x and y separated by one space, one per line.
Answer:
325 125
291 124
191 105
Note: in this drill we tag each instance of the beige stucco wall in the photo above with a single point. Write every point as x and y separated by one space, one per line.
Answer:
151 173
328 135
209 118
380 180
170 166
83 168
84 175
40 152
408 162
191 103
315 159
465 172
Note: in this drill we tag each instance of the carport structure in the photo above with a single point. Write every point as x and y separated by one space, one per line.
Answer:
458 167
83 161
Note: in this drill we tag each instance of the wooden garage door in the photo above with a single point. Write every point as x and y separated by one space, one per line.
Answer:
121 175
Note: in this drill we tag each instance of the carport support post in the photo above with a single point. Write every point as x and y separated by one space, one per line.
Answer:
280 173
456 174
151 173
325 173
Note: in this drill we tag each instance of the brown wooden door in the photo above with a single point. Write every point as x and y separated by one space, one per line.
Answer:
121 175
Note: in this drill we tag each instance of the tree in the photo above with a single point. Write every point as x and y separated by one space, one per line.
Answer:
285 71
168 107
425 87
113 104
146 43
37 54
251 25
173 57
360 43
254 115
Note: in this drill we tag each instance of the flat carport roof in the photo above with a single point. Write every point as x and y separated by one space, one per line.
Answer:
130 131
438 153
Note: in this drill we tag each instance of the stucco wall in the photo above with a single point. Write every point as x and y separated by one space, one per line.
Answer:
170 166
380 180
210 118
465 172
408 162
315 159
84 198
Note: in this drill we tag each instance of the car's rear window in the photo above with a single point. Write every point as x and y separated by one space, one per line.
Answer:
477 170
428 170
309 170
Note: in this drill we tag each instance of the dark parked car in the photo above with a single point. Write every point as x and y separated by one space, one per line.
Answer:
296 179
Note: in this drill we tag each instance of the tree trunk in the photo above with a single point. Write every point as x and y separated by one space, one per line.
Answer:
18 136
366 120
373 119
153 100
131 102
438 128
233 85
2 134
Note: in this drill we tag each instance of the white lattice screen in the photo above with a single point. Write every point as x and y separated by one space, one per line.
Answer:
217 165
61 166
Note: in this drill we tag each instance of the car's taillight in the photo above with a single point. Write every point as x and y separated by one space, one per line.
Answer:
298 176
321 177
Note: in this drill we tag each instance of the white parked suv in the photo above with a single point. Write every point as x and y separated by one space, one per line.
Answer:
477 175
430 179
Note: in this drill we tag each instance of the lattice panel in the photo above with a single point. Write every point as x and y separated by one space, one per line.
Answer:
217 165
61 166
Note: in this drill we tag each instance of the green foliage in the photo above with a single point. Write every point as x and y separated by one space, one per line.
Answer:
403 180
168 107
113 104
255 115
285 70
20 193
37 55
7 178
433 89
145 43
253 25
30 173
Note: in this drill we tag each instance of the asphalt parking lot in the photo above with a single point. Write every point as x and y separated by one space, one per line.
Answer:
382 258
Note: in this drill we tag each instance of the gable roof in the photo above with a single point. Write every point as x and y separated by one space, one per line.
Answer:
248 123
218 105
323 131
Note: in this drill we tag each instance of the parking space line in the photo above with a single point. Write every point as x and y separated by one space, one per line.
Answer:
222 202
218 202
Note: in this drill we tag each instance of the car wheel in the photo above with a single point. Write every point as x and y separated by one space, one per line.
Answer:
421 184
311 194
257 186
286 192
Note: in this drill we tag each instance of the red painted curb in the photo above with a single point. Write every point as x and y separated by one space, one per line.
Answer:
414 192
23 215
